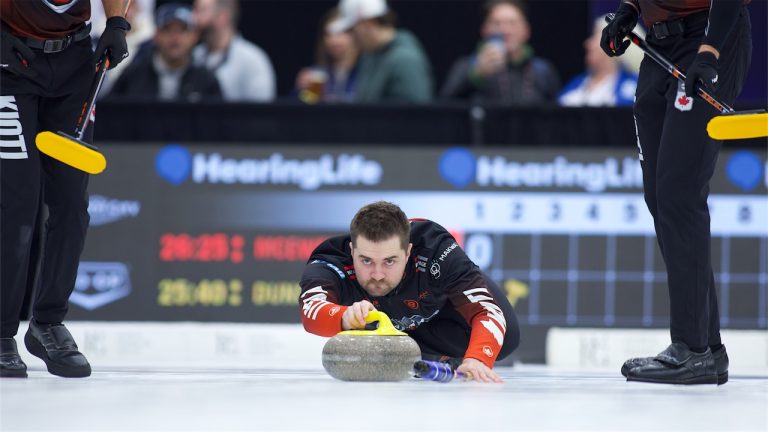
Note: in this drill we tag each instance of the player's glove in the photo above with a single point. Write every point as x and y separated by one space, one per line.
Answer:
15 55
703 71
113 39
613 39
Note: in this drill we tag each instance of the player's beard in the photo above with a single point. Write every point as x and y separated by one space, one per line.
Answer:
378 288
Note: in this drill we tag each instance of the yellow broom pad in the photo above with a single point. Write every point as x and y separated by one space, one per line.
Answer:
71 152
738 126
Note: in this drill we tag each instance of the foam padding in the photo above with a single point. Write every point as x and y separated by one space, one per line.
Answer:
71 151
738 126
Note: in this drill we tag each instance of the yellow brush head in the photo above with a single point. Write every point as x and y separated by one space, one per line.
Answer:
70 151
738 126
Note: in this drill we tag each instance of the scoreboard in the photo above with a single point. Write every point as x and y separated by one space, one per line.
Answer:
221 232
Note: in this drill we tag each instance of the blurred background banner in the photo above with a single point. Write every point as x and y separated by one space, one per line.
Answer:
221 232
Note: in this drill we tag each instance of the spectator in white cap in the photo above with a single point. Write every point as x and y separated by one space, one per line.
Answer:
393 67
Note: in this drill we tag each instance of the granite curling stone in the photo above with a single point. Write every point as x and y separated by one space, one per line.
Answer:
383 354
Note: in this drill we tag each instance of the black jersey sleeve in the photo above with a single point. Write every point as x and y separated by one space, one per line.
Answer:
466 289
319 299
723 15
321 285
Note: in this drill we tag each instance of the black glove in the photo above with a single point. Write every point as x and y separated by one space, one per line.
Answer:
703 71
612 40
15 55
113 39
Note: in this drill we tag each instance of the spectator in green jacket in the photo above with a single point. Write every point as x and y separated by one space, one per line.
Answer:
504 67
393 67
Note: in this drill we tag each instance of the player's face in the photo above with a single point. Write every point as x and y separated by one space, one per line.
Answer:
379 266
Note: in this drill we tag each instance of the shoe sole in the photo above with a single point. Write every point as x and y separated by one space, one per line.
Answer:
13 374
36 349
691 381
721 378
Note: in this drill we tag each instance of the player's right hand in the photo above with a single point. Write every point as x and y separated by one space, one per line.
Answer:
613 40
15 55
354 316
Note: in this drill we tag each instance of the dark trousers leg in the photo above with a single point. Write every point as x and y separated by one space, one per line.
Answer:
20 183
678 162
51 102
65 196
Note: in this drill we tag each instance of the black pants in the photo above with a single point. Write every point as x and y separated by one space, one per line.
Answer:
678 159
51 101
448 333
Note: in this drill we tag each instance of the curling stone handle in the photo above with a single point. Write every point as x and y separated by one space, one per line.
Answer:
384 322
385 326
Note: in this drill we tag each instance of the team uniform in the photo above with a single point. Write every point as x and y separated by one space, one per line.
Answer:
677 156
443 302
50 100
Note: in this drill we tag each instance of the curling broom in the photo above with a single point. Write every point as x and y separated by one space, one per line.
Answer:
72 150
728 126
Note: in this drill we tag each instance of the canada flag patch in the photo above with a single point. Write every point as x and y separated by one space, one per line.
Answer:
682 102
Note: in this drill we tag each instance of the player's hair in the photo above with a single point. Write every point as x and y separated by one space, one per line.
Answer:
380 221
491 4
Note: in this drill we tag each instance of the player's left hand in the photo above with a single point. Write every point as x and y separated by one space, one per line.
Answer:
113 39
478 371
703 72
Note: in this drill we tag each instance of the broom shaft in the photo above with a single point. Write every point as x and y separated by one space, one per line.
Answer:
85 113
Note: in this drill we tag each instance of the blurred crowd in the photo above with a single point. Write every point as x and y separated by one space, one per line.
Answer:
192 52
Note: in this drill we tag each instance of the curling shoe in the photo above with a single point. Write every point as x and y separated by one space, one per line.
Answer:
721 364
677 365
55 346
11 365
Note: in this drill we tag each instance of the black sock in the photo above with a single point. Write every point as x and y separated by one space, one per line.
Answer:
715 347
698 350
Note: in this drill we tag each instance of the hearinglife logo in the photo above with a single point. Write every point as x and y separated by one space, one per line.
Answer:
176 164
745 170
100 283
459 167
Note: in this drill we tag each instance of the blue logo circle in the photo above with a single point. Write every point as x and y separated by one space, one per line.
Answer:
173 163
745 170
457 166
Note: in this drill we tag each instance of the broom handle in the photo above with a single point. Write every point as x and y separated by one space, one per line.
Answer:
666 64
85 113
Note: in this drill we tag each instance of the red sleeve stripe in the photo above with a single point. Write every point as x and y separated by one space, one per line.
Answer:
498 326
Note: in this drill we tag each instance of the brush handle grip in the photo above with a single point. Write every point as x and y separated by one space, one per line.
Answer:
672 69
85 113
436 371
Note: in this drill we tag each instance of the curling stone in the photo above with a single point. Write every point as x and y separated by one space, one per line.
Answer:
383 354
